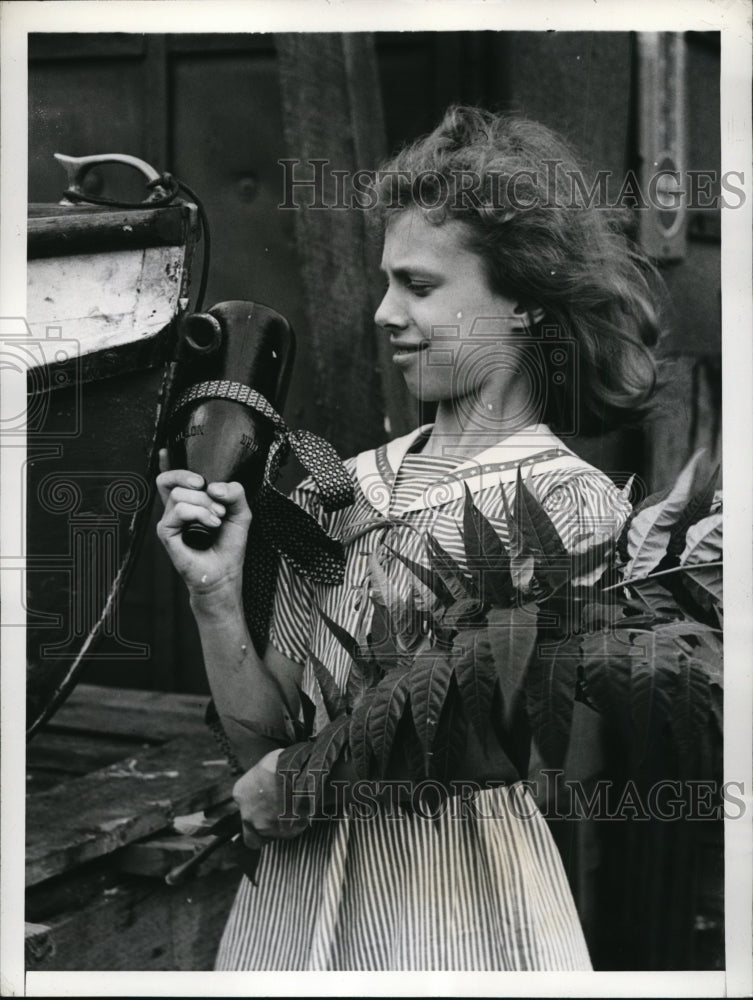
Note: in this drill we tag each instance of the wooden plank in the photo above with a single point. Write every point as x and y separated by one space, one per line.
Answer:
56 229
140 924
331 108
148 716
88 817
159 855
76 753
80 45
41 780
38 945
71 891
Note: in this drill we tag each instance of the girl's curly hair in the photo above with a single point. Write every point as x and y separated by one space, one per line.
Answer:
545 243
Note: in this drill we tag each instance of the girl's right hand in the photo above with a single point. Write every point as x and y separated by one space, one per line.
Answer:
222 507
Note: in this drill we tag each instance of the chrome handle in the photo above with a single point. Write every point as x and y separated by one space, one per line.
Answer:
77 167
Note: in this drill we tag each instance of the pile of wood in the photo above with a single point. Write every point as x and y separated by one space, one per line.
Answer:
106 781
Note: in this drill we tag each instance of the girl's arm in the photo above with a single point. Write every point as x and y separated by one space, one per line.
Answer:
251 695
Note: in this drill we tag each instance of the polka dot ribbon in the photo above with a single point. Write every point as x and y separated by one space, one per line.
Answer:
288 528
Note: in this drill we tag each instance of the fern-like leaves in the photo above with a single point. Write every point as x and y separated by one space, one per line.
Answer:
429 682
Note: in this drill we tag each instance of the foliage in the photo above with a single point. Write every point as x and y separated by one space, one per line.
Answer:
629 624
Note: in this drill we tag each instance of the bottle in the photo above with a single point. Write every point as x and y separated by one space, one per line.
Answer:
221 439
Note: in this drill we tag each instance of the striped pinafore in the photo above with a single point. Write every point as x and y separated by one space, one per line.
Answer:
478 889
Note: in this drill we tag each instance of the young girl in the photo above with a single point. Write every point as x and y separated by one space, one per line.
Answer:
489 253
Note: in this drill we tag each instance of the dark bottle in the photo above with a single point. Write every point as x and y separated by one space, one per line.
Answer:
222 439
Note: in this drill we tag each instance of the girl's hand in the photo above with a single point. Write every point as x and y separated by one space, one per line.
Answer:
222 507
265 814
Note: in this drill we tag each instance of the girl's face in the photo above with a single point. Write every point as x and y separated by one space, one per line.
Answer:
453 336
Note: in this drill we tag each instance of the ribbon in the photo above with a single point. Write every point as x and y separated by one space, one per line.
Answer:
286 526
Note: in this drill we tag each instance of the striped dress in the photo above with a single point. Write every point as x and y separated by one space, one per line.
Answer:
480 885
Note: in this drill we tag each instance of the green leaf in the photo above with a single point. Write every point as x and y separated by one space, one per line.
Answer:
516 539
429 682
364 671
426 576
599 614
292 765
486 556
550 698
476 675
327 748
589 564
654 595
361 528
332 696
462 614
515 738
652 686
363 621
513 634
381 637
294 757
560 613
522 569
364 674
451 737
691 706
607 658
522 561
708 655
400 614
537 529
385 714
705 584
453 577
696 509
360 743
627 488
407 753
308 711
684 629
703 542
651 527
293 728
344 637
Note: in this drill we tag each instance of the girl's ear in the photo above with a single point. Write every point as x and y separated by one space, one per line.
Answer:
535 315
530 316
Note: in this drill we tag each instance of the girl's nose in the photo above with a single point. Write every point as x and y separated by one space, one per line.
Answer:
390 312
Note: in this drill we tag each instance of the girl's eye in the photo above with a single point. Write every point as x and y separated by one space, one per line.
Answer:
419 288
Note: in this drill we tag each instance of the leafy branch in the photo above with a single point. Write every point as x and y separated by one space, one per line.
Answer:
627 623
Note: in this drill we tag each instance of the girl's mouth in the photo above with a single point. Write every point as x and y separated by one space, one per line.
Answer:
406 350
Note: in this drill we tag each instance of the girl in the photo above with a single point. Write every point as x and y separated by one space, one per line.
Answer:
519 311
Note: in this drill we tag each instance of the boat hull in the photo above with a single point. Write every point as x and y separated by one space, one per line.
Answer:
102 320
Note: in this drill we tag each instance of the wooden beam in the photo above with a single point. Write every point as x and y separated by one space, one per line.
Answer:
148 716
332 111
56 229
159 855
38 946
90 816
69 754
140 924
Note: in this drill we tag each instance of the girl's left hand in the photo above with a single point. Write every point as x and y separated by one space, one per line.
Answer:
265 814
